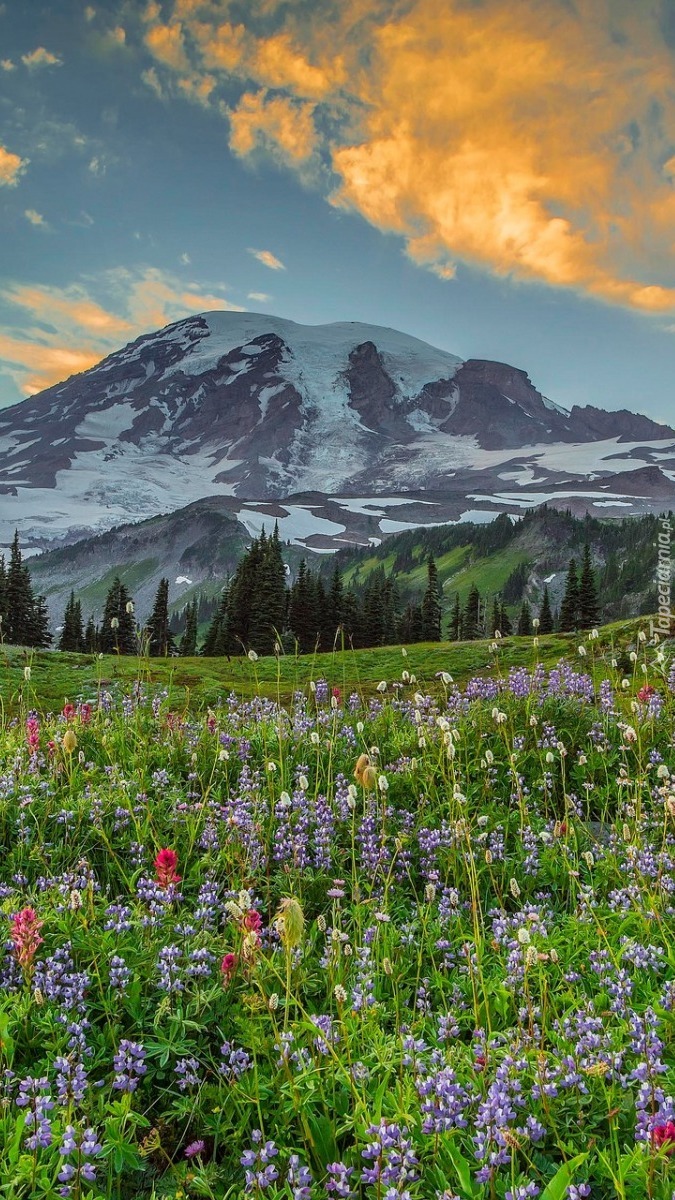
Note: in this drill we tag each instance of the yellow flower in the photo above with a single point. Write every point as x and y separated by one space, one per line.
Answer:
290 922
69 741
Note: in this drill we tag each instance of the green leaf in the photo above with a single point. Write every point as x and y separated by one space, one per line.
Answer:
557 1187
323 1138
463 1169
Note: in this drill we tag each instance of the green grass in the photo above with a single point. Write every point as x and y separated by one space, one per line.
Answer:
56 678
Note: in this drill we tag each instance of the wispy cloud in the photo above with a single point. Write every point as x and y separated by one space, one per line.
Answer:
41 58
531 140
268 259
11 167
259 297
60 331
185 260
6 64
89 13
35 218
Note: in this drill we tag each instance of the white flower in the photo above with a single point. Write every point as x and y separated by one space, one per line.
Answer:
223 755
404 652
536 623
405 676
314 738
303 783
642 636
271 767
334 702
360 727
662 771
26 673
550 756
524 936
382 685
632 656
446 678
253 656
383 783
489 757
284 800
581 651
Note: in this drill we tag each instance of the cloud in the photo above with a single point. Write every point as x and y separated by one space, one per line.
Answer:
260 297
11 167
268 259
6 64
60 331
185 260
40 58
533 140
89 13
35 218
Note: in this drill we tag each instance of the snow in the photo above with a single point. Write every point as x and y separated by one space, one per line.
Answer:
107 423
296 525
180 579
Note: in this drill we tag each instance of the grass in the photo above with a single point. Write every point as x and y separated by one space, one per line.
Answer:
57 678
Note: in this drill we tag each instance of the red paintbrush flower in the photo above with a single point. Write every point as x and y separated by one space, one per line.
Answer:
663 1137
25 936
228 966
252 921
645 694
165 868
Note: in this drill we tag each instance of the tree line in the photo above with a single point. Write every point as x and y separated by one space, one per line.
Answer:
260 609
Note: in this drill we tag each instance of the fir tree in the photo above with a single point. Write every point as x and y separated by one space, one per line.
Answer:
19 598
505 621
3 599
589 608
302 615
72 633
411 626
118 628
471 617
188 642
569 609
525 620
431 604
268 587
217 638
545 614
495 621
335 604
91 637
455 625
158 632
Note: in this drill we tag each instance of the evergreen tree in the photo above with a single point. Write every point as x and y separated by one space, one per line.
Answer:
3 599
455 625
335 604
411 626
569 609
302 615
72 633
118 628
505 621
589 608
268 585
19 598
495 621
351 618
431 604
158 632
91 637
188 642
525 620
545 614
471 617
216 640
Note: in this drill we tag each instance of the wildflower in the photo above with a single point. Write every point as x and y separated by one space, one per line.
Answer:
382 685
663 1137
25 936
290 922
165 868
339 993
195 1148
252 920
258 1164
129 1065
69 741
26 674
253 656
228 966
514 888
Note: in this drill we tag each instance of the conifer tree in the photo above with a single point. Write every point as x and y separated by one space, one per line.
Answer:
3 599
118 627
569 609
545 614
589 609
217 639
188 642
302 615
471 617
411 625
351 617
19 598
158 632
91 637
455 625
505 621
72 633
335 604
495 621
431 604
525 620
268 595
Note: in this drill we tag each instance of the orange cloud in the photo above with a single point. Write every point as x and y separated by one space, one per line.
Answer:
533 139
65 330
40 58
11 167
268 259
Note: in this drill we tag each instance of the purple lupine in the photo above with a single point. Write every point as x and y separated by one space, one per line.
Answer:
82 1149
391 1153
187 1070
120 975
34 1095
71 1081
258 1163
337 1184
235 1062
129 1065
299 1179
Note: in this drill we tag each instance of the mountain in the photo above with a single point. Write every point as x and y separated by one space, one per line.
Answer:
333 422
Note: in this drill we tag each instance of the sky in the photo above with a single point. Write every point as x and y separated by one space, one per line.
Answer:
496 177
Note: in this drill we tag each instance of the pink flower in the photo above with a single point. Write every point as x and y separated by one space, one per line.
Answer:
663 1137
85 713
25 936
194 1148
33 734
645 694
228 967
252 921
165 868
68 711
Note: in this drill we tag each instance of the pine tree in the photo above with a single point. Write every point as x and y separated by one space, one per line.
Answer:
3 599
411 625
302 615
589 608
19 598
118 628
505 621
569 609
188 642
335 605
545 614
72 633
431 604
217 639
471 618
495 622
525 620
91 637
268 595
158 632
455 625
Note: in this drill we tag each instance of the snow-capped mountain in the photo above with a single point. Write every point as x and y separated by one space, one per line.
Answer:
320 424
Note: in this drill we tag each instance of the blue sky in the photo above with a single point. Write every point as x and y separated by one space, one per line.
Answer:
449 169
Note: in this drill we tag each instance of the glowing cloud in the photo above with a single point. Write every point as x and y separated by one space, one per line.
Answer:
66 330
533 140
40 58
268 259
11 167
35 218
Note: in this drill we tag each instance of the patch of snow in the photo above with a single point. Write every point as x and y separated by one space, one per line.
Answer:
183 579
